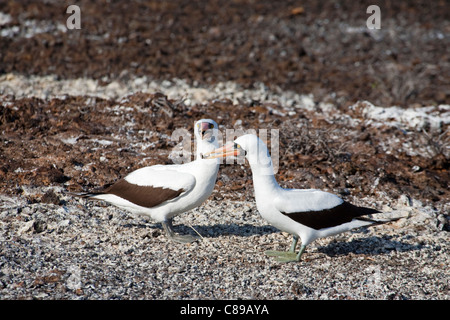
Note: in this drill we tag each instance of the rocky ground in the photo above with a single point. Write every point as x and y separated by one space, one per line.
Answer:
361 113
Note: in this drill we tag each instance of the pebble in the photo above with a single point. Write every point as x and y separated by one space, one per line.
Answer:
104 259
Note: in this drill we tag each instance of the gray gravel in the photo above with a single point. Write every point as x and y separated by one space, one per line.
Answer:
66 248
88 250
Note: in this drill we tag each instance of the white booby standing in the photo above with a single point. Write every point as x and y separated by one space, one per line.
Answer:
306 213
164 191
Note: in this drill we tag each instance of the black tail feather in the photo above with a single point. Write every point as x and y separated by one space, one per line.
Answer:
84 195
376 222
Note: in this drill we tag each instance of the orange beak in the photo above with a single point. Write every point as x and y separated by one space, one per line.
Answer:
227 150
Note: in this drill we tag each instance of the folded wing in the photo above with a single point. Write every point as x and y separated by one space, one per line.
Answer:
317 209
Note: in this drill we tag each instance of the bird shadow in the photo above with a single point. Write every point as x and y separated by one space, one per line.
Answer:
209 231
232 229
373 245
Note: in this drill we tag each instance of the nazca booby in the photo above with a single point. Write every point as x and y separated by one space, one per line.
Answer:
307 214
163 191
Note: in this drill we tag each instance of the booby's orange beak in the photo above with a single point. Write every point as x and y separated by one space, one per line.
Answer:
228 150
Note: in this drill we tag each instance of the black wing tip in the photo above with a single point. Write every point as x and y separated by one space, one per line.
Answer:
360 210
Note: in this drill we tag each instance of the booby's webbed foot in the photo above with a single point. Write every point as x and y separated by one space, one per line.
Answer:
183 239
282 256
168 228
287 256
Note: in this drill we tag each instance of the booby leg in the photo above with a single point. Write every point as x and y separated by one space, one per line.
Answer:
294 243
168 228
285 256
299 256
